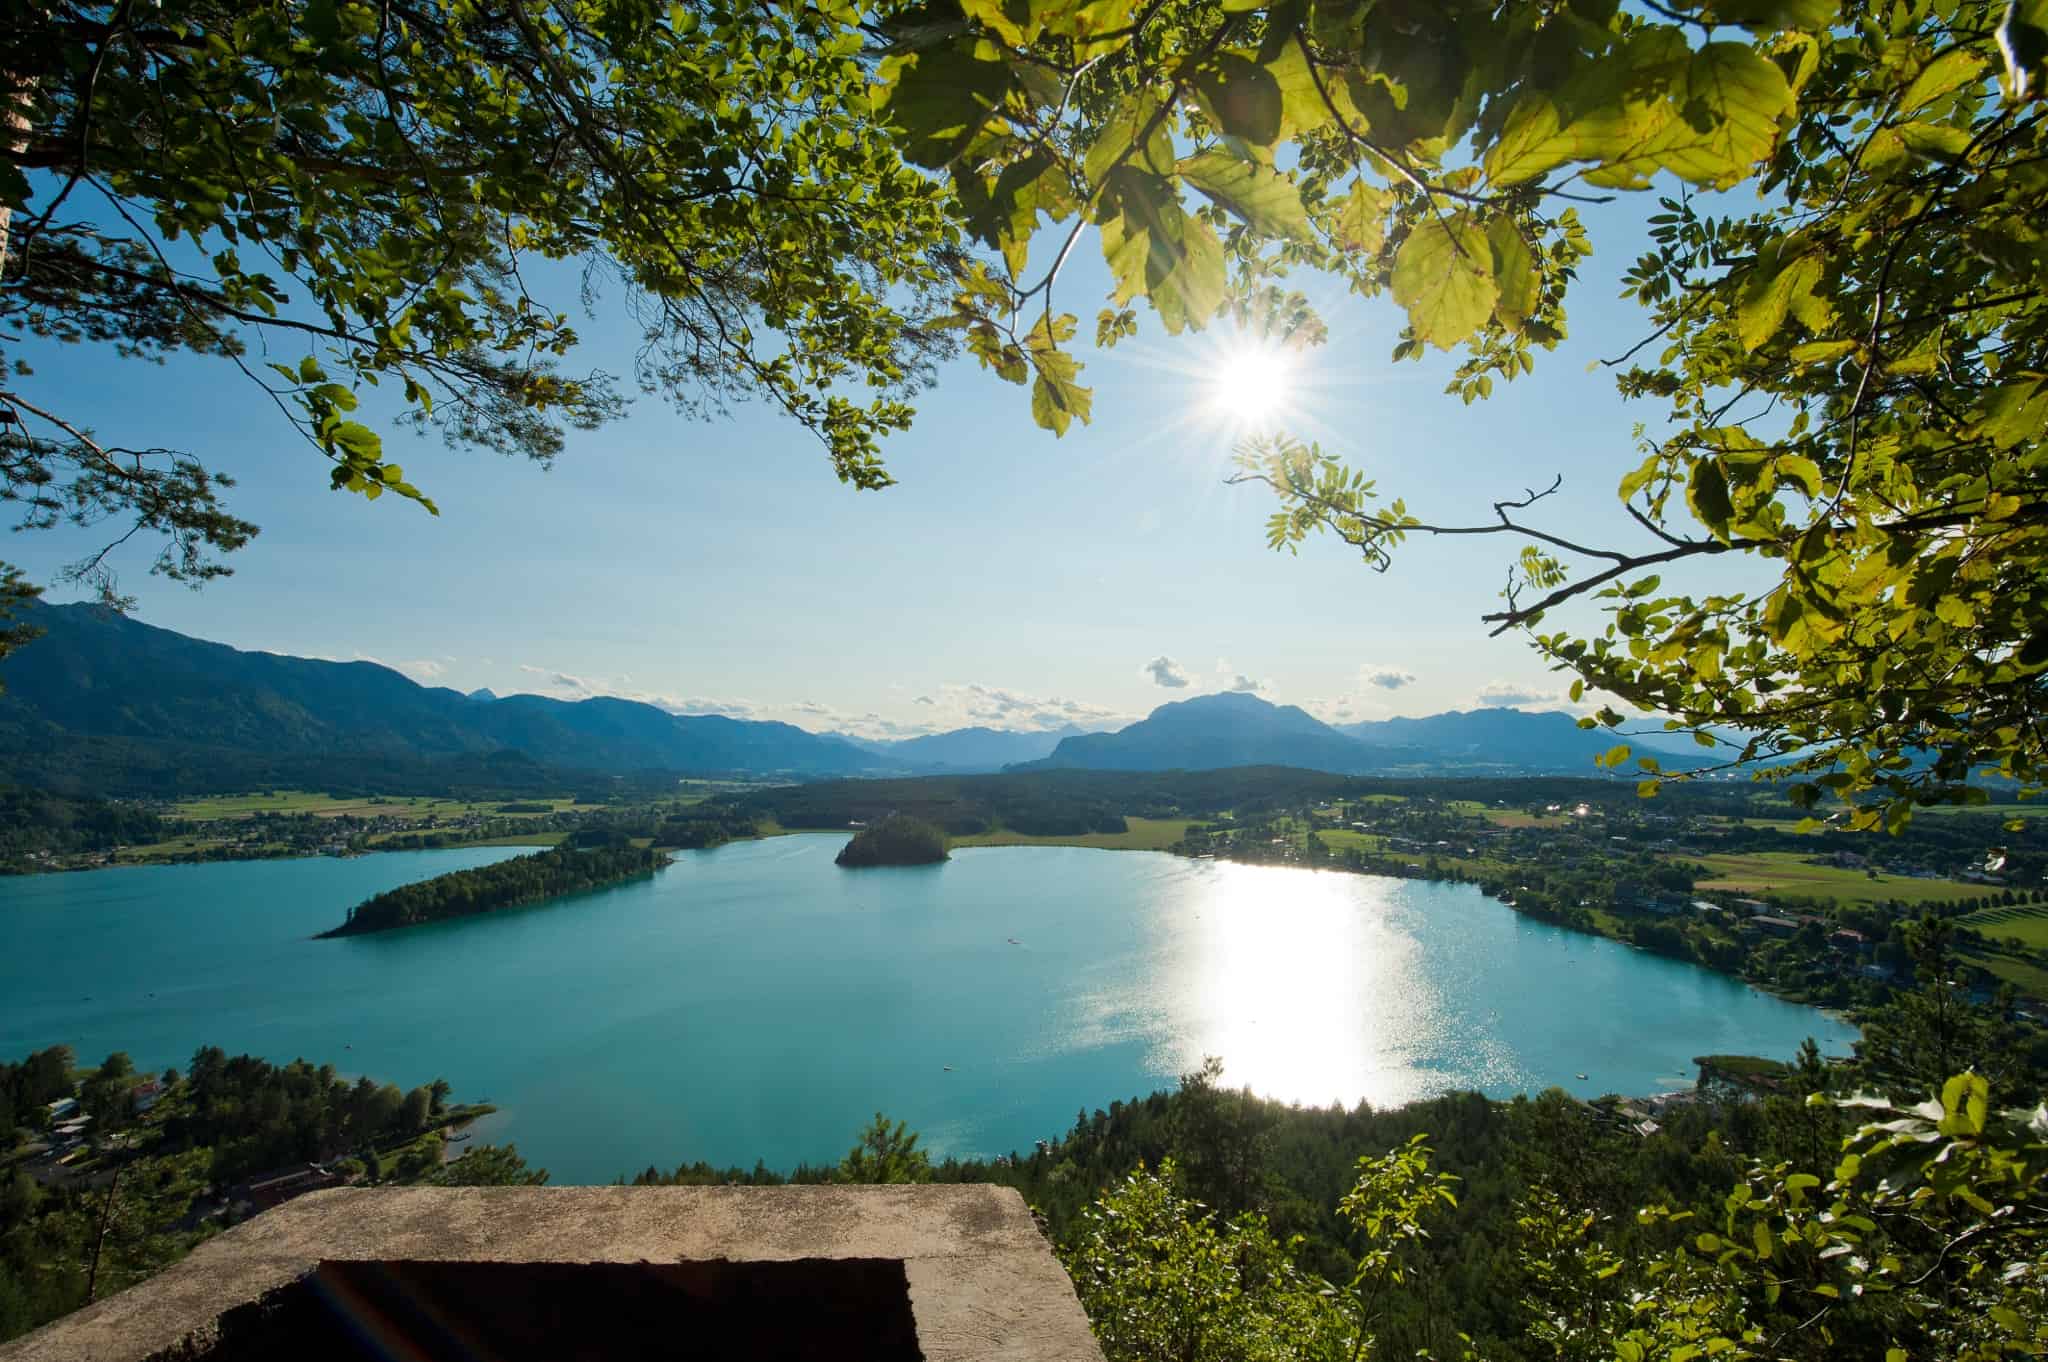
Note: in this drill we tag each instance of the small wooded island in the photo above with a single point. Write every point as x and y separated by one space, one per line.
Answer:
507 884
898 839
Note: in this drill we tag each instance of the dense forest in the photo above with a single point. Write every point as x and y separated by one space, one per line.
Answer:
566 869
33 821
166 1161
898 839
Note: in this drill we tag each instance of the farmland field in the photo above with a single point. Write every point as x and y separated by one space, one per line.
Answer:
1791 872
2028 922
1142 834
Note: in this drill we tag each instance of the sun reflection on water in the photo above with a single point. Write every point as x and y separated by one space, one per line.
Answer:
1312 989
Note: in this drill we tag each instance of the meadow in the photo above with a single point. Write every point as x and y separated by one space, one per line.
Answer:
1792 872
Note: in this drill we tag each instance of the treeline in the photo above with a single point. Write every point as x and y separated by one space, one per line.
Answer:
27 1089
40 821
145 1186
249 1115
524 879
1071 802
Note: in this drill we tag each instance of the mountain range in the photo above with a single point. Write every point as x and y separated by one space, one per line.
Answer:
1236 728
99 694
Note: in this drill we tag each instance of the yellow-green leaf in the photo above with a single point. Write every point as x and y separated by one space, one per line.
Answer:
1728 116
1361 222
1769 297
1514 272
1443 276
1947 73
1263 197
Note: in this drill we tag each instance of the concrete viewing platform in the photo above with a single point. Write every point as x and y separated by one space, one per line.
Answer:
892 1274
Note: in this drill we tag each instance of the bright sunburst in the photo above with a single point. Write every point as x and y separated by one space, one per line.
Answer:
1254 385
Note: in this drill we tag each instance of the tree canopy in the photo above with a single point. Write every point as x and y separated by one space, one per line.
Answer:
408 195
1847 367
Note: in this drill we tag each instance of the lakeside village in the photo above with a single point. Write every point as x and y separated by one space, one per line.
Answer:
1818 916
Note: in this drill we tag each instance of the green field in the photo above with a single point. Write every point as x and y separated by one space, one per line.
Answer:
1345 839
2023 975
1790 872
2028 922
218 807
1142 834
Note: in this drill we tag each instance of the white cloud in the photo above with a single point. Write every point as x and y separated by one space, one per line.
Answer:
562 685
1509 694
1164 671
946 707
1246 683
1386 678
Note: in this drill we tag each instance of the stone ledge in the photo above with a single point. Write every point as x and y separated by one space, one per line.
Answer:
983 1283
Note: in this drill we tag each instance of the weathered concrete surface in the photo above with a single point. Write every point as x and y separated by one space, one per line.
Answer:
984 1285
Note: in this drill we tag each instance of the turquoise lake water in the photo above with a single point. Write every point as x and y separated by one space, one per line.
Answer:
758 1002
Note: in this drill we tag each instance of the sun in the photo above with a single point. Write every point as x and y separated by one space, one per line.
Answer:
1253 386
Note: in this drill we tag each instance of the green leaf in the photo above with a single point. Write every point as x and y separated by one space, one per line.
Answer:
941 97
1303 108
1119 136
357 440
1157 251
1821 352
1615 755
1055 399
1264 198
1769 296
1950 71
1012 19
1443 276
1733 99
1514 271
1243 97
1362 221
1798 471
1707 494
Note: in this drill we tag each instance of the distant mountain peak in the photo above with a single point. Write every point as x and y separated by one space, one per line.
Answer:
482 694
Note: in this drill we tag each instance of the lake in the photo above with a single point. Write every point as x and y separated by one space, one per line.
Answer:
758 1002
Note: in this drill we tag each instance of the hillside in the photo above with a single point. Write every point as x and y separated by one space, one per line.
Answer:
967 750
1215 731
97 679
1238 729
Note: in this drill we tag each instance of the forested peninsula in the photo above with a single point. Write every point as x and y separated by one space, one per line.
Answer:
507 884
897 840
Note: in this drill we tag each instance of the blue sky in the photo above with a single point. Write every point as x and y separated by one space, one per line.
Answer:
1010 578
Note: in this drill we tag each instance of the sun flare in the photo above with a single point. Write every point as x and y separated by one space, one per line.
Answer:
1253 385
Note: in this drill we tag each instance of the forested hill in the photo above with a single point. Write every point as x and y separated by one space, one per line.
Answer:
140 697
507 884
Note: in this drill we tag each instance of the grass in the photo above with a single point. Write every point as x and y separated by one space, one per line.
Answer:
2023 975
1345 839
1142 834
1790 872
1517 818
218 808
2028 922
